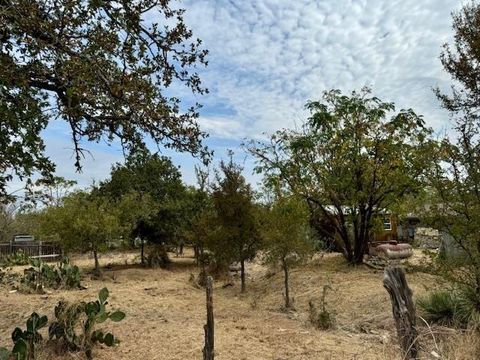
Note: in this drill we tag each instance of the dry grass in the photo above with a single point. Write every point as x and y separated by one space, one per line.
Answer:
166 313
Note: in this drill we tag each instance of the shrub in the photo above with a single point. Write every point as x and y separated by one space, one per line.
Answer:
25 340
438 307
453 308
85 316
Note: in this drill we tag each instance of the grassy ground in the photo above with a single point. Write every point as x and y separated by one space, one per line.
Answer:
166 313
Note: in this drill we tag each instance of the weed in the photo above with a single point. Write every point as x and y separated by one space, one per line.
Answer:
322 319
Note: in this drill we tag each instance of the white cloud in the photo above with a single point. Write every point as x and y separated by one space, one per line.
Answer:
267 58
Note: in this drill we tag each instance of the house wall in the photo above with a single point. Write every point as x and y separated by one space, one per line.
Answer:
387 235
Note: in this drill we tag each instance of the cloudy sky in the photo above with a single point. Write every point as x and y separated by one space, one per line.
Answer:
268 57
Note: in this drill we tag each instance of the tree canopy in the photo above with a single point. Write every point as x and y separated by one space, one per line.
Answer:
456 178
102 67
352 158
237 237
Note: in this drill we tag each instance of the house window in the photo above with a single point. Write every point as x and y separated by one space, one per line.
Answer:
387 223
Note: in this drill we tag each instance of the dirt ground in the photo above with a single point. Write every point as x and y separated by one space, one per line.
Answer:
166 313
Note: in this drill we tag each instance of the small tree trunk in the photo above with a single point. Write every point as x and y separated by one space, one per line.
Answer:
403 310
242 274
142 251
208 350
287 292
97 264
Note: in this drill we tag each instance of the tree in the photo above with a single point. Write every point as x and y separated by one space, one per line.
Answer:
200 215
158 185
7 221
237 238
135 209
457 177
287 236
83 223
349 161
100 66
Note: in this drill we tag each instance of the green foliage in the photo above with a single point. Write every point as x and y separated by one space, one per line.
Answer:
104 86
89 315
64 275
455 209
236 235
17 258
150 197
438 307
286 232
454 308
25 340
84 222
352 158
287 237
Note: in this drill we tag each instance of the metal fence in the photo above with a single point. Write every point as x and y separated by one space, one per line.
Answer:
38 249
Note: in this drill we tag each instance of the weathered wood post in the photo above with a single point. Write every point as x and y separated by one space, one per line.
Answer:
403 309
208 350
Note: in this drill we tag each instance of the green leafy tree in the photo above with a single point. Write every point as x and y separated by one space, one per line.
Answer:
237 237
457 177
134 209
287 237
83 223
352 158
103 68
199 215
158 185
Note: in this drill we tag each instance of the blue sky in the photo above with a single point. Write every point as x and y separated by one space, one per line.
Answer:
267 58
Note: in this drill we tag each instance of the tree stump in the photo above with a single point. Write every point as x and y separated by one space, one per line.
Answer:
403 310
208 350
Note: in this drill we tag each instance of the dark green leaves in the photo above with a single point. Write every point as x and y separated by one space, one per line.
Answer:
103 295
117 316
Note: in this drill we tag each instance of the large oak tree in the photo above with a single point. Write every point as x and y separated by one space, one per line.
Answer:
103 67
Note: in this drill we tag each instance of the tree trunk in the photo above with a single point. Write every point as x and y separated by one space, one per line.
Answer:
208 350
287 292
403 310
97 263
242 275
142 251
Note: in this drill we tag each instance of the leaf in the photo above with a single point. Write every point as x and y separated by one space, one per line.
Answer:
17 334
103 295
20 349
98 336
42 322
109 339
117 316
102 317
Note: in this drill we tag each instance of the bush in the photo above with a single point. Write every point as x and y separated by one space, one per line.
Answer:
452 308
438 307
85 316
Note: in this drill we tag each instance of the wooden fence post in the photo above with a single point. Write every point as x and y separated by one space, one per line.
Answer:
208 350
403 310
